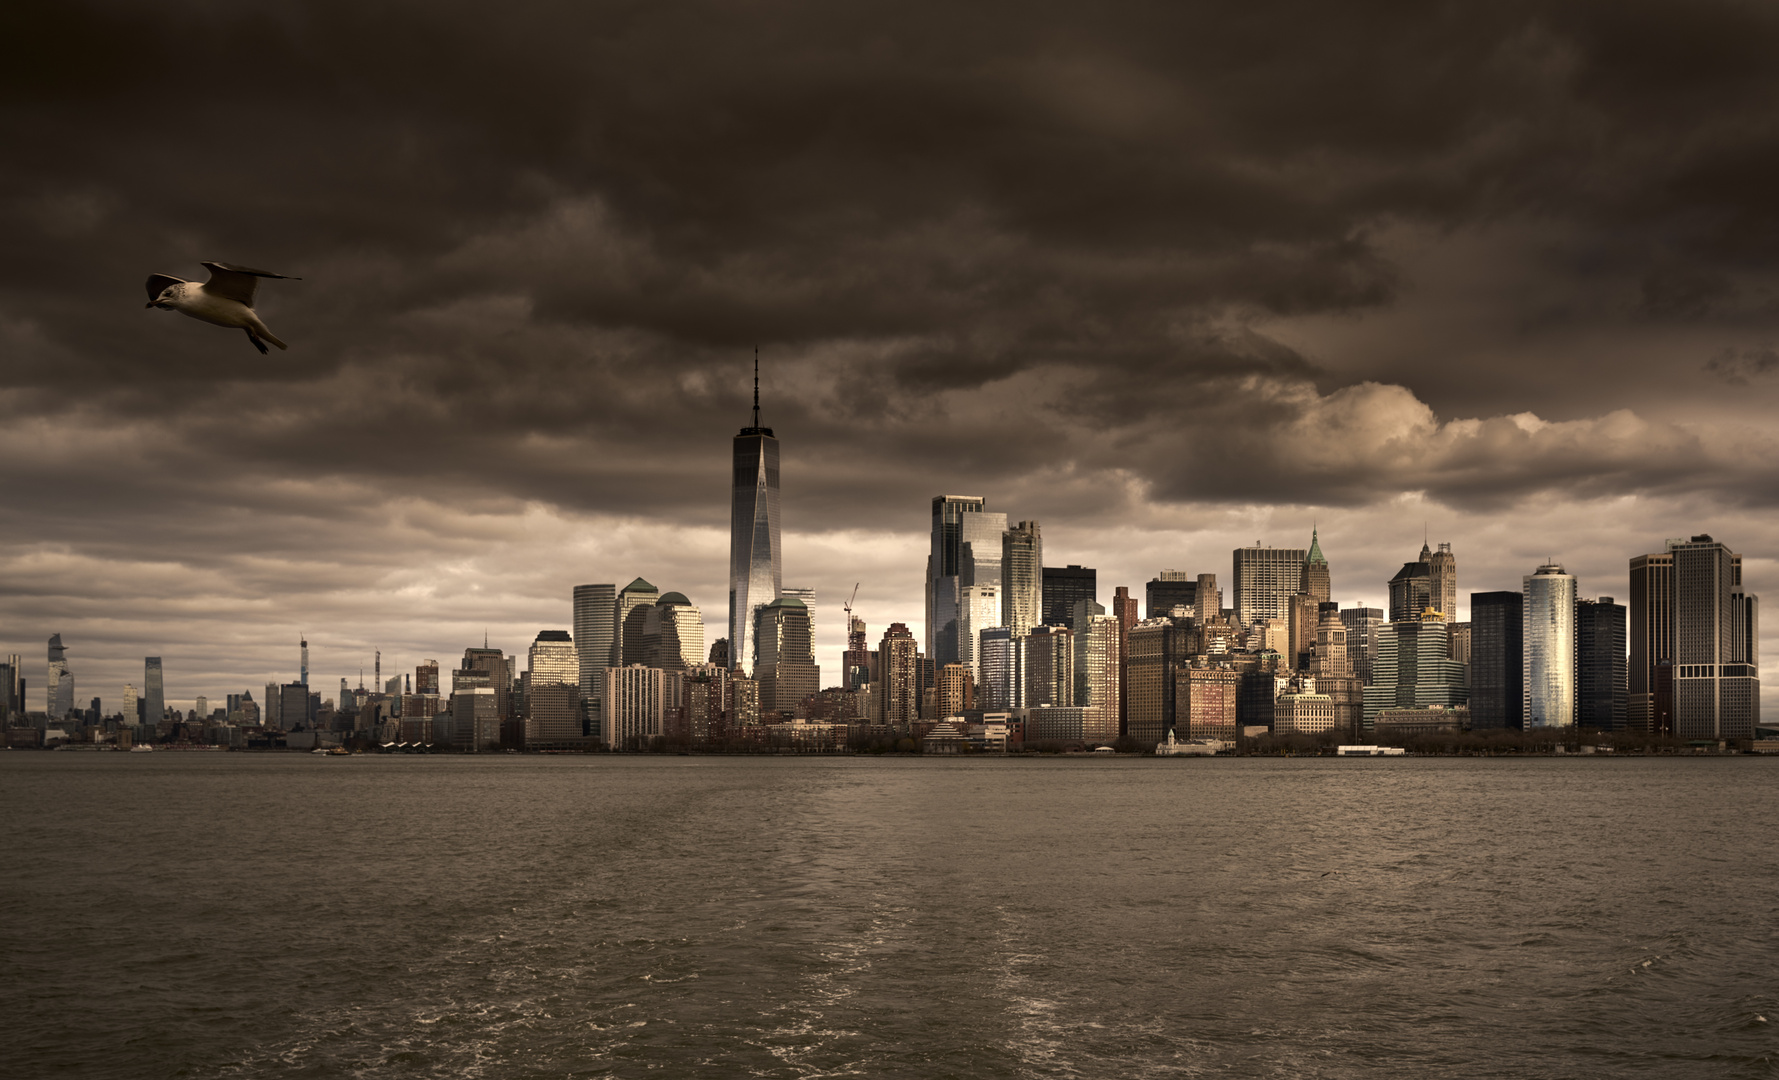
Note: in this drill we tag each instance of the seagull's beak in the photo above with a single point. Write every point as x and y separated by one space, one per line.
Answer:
149 304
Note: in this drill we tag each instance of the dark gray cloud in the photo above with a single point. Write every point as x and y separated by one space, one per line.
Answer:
1210 257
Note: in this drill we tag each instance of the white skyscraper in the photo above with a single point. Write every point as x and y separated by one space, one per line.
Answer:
1549 644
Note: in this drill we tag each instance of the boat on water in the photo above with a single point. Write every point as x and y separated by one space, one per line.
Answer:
141 749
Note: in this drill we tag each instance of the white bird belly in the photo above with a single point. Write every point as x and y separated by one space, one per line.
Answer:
216 309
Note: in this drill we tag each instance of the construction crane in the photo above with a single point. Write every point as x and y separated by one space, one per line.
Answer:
847 607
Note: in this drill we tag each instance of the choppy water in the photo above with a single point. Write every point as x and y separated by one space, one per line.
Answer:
231 914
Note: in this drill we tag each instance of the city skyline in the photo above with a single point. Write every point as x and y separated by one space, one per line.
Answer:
1192 281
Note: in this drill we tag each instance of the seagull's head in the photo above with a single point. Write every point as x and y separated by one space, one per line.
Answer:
166 298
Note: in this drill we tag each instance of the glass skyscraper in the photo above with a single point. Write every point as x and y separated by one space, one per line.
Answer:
1549 643
595 608
966 550
756 572
1265 580
154 692
59 689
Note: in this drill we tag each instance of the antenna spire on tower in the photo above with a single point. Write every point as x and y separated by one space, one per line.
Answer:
756 386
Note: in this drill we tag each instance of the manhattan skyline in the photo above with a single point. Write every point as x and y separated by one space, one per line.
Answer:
1166 284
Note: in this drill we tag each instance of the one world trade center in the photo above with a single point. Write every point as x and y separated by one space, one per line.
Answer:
755 570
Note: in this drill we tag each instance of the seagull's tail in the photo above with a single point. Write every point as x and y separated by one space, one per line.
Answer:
267 334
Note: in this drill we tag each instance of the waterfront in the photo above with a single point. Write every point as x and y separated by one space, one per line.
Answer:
229 914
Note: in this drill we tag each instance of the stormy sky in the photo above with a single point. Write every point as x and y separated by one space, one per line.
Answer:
1168 279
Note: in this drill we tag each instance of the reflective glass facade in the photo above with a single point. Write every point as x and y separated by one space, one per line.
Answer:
755 559
1549 643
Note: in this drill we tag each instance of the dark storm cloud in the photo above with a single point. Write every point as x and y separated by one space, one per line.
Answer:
1045 250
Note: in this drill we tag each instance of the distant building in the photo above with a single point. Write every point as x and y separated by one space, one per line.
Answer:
1411 590
595 630
1316 581
59 689
1064 587
785 658
1022 578
1124 611
1209 599
756 573
1413 668
673 633
1716 644
1363 624
967 544
1265 581
635 706
1497 659
1650 631
1050 666
1002 663
553 659
1205 703
1442 580
630 617
426 678
1300 710
1096 670
154 690
1168 590
1146 670
476 716
1395 724
1601 672
1549 641
957 690
896 691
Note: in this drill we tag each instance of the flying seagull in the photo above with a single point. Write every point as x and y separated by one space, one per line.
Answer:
226 299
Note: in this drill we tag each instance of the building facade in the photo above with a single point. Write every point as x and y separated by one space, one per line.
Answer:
1549 643
1601 671
785 668
756 572
1265 581
1064 587
1497 659
1022 578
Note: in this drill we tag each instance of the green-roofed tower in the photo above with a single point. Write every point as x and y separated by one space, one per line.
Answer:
1316 582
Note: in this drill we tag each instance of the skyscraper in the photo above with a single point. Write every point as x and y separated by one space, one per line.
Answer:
1716 644
756 572
1651 634
1064 587
784 664
59 688
1362 625
635 706
1001 659
1022 578
1411 590
1124 610
979 609
1265 579
1442 580
673 633
1600 670
967 547
1549 642
1050 666
1208 599
153 690
897 688
1316 581
594 631
1413 669
303 664
1497 659
553 659
630 623
1168 590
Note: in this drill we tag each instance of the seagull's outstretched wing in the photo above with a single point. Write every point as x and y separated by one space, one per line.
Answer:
157 284
236 282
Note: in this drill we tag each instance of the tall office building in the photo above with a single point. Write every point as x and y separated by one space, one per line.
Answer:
673 633
59 688
1651 634
630 618
1413 669
131 714
956 691
1363 624
1064 587
1442 580
1001 658
967 548
1168 590
1209 599
896 689
1600 670
594 631
1497 659
1144 698
1050 666
154 690
855 662
303 662
1096 672
1022 578
1549 643
636 706
553 659
1316 582
1265 580
1333 671
1124 611
1716 644
784 663
1411 590
426 678
756 573
979 609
